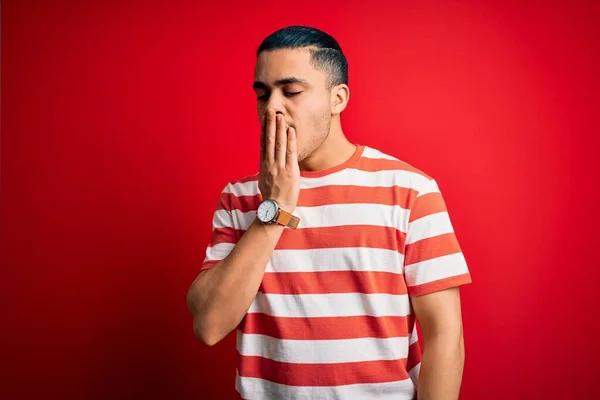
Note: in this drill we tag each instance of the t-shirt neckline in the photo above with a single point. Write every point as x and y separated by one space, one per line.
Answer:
346 164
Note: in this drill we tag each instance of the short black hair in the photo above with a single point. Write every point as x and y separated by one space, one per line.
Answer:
326 52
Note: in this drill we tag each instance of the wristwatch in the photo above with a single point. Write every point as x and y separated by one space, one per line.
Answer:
269 212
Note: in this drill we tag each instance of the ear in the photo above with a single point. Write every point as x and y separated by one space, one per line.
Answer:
340 95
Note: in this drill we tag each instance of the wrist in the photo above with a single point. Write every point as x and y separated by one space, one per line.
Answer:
270 211
284 205
272 230
287 207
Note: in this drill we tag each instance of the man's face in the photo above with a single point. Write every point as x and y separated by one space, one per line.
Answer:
287 82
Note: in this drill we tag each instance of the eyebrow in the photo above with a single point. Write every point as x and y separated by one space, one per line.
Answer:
280 82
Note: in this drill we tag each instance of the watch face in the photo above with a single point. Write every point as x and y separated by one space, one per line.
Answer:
267 210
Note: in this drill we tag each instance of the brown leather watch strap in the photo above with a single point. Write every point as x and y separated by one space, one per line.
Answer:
286 219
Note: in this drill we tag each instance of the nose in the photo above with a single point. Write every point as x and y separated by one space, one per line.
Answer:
275 103
276 111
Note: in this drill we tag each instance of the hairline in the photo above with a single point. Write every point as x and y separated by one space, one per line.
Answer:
312 49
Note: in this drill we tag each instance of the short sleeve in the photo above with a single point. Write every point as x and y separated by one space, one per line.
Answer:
433 259
223 236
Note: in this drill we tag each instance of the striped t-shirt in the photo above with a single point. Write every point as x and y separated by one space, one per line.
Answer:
332 317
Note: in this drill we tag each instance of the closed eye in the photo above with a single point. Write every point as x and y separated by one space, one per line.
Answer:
286 94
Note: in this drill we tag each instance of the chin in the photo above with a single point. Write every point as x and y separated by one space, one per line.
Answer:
301 156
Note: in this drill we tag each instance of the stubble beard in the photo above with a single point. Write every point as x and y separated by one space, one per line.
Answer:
314 143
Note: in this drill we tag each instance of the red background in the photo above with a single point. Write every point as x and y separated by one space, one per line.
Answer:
121 123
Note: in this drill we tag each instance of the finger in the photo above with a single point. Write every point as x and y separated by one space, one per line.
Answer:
292 150
281 144
263 128
270 137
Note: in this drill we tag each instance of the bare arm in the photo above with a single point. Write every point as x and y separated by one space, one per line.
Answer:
439 315
219 298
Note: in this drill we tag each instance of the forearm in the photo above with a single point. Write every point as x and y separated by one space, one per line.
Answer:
220 297
441 367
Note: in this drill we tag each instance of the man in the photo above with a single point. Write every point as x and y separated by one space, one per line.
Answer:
323 259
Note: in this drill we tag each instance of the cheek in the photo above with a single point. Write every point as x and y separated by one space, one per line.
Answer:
315 113
310 116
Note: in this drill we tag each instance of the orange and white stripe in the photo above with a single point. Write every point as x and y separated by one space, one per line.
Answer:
333 317
262 389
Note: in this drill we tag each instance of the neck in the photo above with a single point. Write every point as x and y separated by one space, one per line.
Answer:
335 150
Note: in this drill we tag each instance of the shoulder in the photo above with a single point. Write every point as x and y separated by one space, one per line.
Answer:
243 186
241 194
403 173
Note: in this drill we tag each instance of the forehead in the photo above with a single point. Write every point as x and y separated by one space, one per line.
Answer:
285 63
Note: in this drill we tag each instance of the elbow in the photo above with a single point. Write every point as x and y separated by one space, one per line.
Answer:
199 323
450 340
461 348
206 323
207 336
203 337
